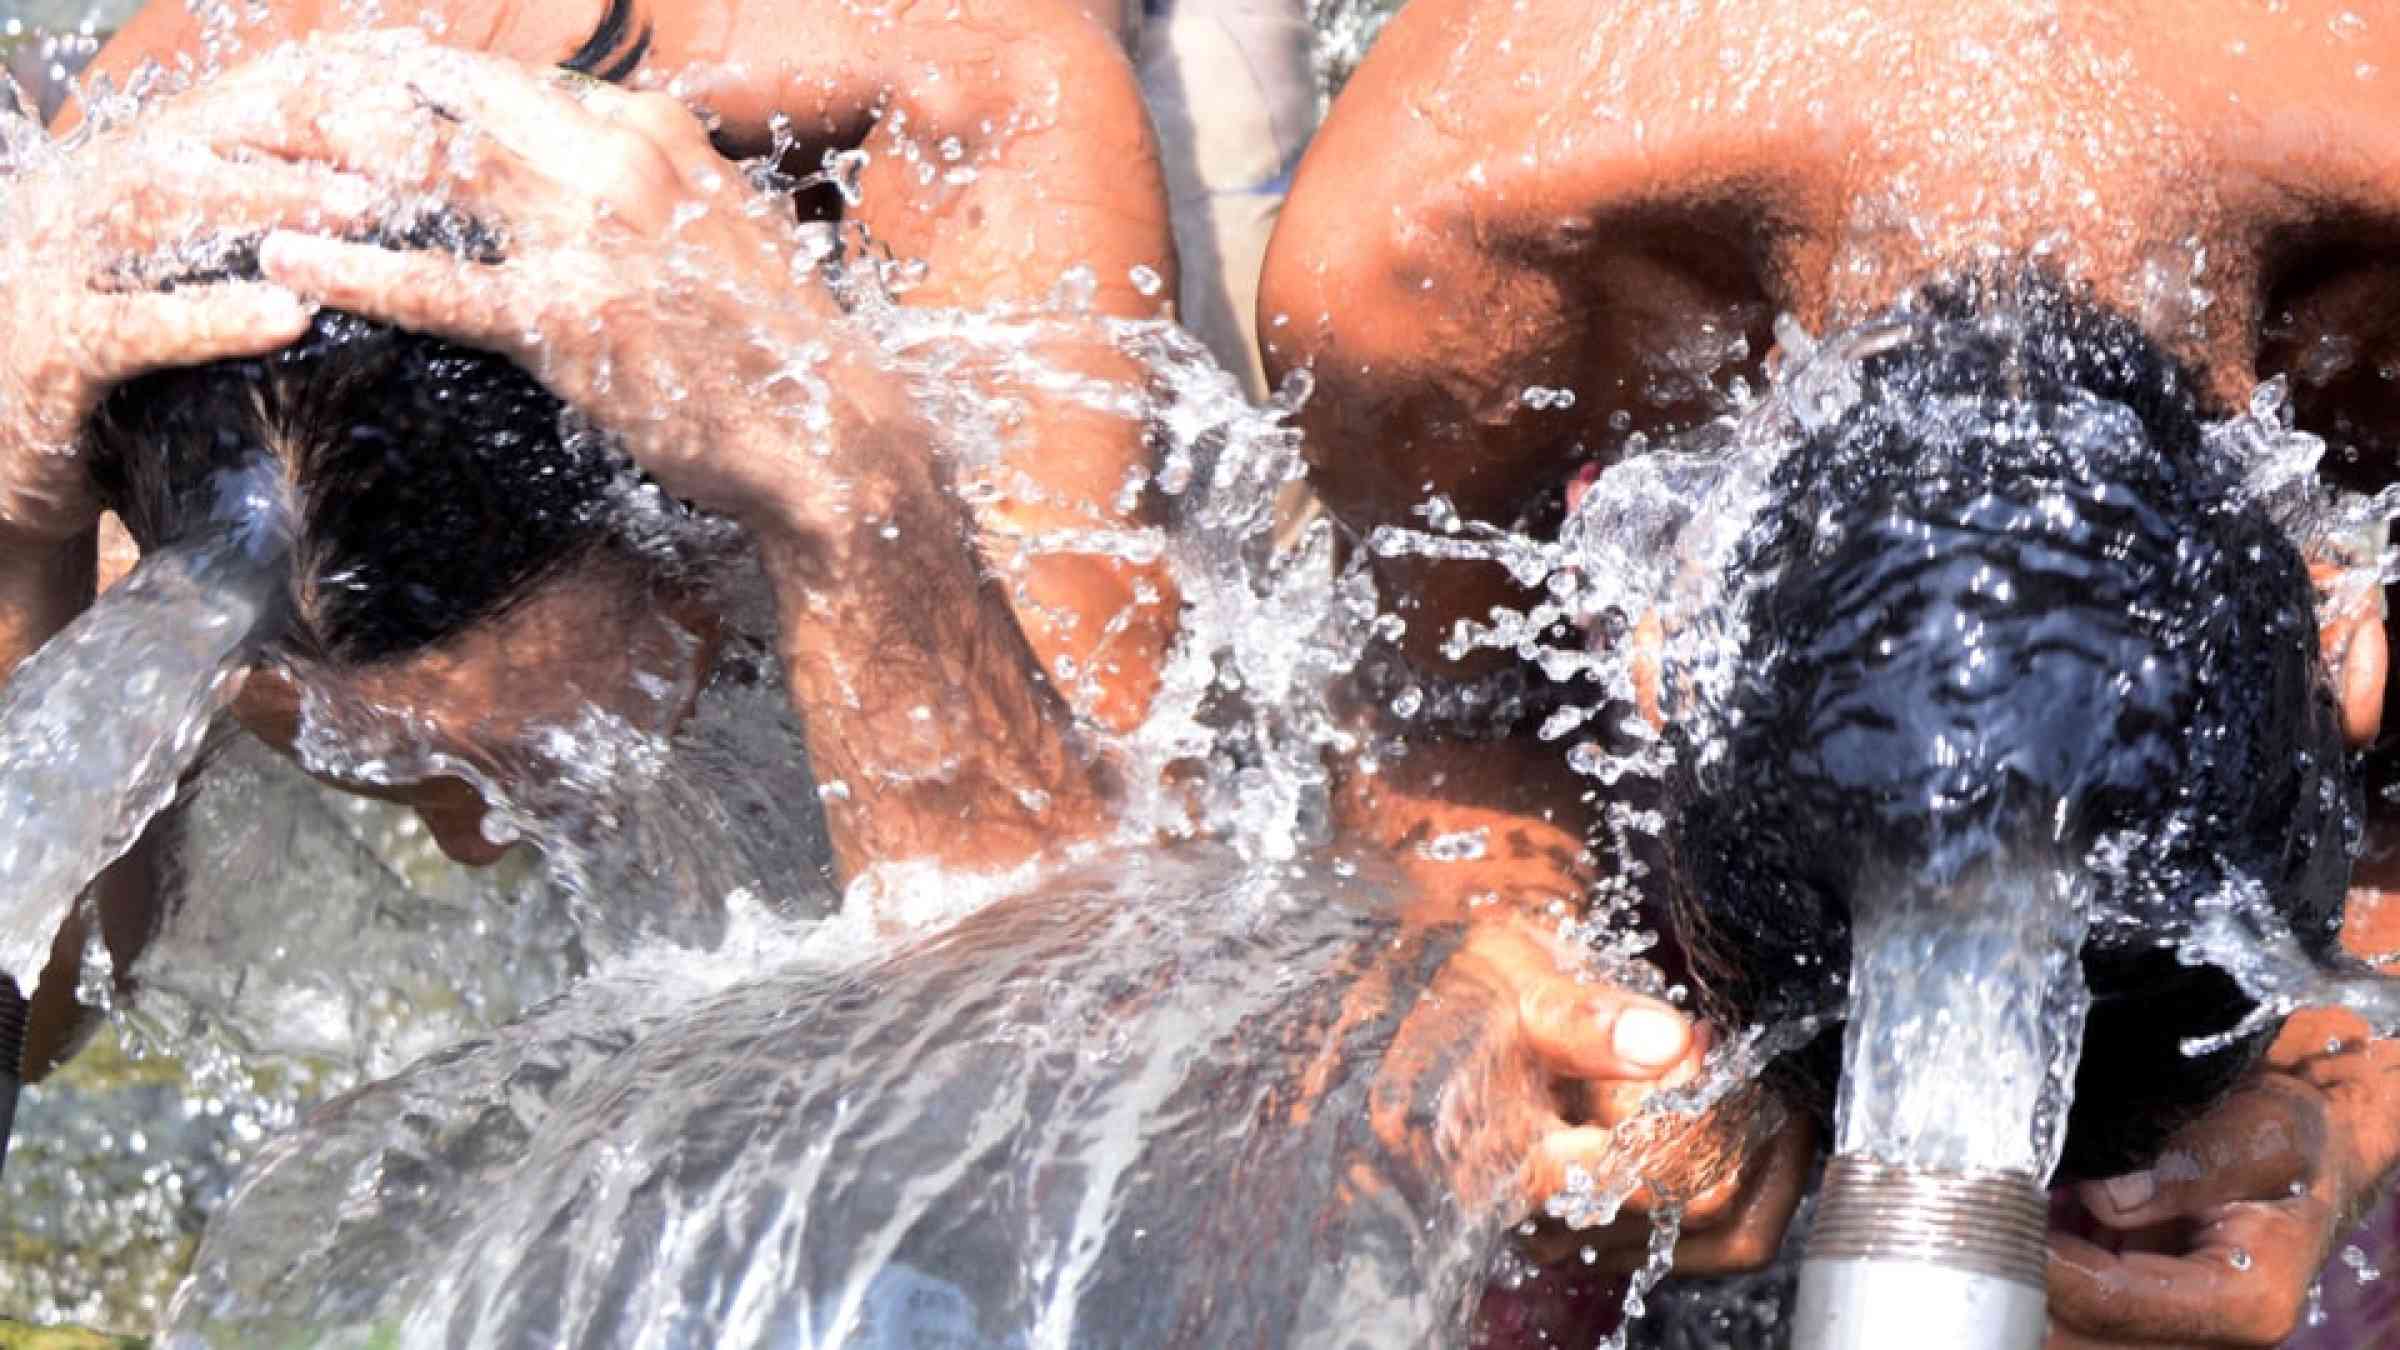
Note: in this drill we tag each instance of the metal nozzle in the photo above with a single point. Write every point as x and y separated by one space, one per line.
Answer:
1901 1259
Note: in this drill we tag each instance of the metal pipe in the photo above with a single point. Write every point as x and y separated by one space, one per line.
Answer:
1901 1259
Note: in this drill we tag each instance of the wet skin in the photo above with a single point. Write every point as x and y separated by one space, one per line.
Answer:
588 182
1598 197
874 624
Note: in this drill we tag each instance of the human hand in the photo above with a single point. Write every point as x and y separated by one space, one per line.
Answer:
76 318
2217 1243
642 280
1550 1081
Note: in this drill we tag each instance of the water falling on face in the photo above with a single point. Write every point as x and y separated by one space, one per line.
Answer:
467 555
2009 604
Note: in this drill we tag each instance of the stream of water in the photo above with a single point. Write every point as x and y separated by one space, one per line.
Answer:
1001 1111
112 711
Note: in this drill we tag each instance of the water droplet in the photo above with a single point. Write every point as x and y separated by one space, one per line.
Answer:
1458 846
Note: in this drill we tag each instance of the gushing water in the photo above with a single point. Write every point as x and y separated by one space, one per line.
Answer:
768 1138
1062 1118
110 713
1966 1022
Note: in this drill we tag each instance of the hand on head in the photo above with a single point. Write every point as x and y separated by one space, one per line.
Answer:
77 317
642 282
642 279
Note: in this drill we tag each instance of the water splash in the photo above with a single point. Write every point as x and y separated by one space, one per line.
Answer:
1244 702
1980 977
117 706
993 1132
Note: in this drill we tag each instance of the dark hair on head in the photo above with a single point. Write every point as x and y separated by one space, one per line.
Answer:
430 483
2028 470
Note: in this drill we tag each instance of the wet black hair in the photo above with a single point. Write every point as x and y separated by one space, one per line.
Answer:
2149 658
431 483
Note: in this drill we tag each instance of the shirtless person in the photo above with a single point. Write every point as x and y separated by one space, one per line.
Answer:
1584 196
625 302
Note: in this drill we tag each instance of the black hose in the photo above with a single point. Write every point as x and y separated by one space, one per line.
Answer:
12 1059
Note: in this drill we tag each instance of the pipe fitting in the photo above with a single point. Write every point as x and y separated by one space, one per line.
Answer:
1902 1258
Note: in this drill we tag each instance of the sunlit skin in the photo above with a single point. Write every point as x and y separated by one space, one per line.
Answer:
1569 226
1567 194
875 624
587 181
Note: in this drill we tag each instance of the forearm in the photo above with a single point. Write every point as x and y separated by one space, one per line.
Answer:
1081 568
933 733
1062 194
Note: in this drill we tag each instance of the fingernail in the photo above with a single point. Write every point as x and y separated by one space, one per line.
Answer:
2131 1191
285 248
1649 1036
282 308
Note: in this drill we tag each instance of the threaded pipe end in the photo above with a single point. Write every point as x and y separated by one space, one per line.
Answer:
1989 1225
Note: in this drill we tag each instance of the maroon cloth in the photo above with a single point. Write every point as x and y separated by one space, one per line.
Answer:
2353 1313
1555 1307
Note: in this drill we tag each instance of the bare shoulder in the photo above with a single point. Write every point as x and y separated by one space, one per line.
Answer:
1506 196
830 65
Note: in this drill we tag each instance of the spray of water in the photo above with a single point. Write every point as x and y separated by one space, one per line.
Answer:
1975 983
685 1055
115 708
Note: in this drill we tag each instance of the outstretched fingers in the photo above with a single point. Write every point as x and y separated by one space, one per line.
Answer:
309 105
501 139
164 196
